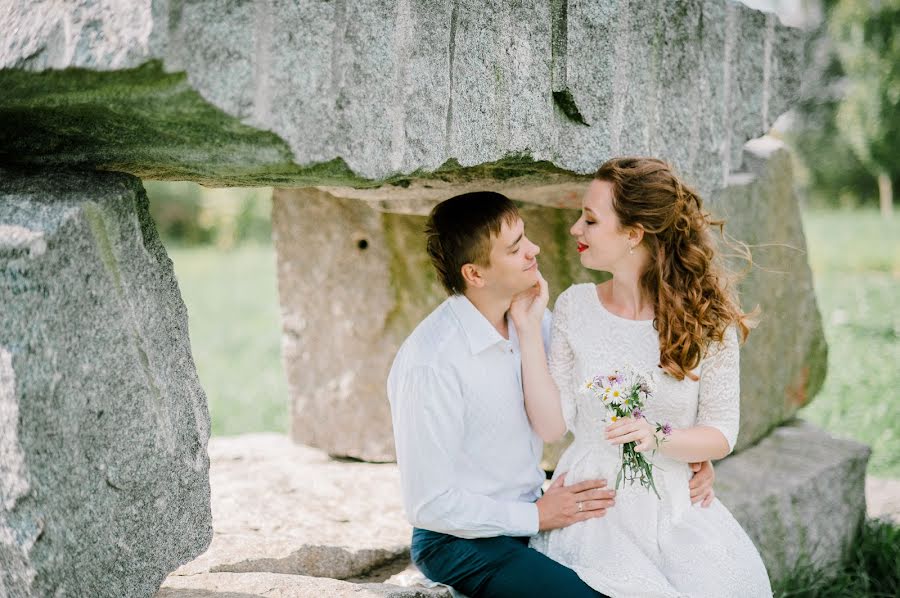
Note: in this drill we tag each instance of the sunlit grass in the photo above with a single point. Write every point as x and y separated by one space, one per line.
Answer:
235 329
855 258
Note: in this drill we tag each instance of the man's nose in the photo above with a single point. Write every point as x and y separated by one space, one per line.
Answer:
534 249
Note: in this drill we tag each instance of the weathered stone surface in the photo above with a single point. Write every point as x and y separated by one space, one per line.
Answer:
278 507
798 493
103 425
784 360
353 283
273 585
350 93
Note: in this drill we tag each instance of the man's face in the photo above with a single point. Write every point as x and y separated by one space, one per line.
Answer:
514 265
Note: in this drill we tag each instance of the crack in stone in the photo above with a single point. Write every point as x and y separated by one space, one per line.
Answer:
451 56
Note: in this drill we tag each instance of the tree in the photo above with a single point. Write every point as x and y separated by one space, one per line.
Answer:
868 117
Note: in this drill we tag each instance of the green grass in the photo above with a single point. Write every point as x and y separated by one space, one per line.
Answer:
871 569
235 328
855 257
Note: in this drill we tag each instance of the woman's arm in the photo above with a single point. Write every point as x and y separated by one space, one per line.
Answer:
542 400
698 443
718 413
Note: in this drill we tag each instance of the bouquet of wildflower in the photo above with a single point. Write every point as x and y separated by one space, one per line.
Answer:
624 393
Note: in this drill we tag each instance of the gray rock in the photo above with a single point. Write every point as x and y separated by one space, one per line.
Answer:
278 507
358 93
798 494
353 283
274 585
784 361
103 425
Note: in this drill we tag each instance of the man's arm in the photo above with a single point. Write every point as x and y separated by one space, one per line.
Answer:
428 416
429 427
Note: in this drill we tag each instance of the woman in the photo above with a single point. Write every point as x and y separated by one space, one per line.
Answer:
667 311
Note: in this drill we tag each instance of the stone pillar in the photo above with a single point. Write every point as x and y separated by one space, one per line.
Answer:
104 484
353 283
784 360
351 286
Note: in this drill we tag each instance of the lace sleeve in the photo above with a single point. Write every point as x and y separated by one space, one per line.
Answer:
562 360
720 388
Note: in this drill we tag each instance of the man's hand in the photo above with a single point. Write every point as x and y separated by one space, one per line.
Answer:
528 307
701 484
562 505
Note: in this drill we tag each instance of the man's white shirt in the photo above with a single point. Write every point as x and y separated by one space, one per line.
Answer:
469 460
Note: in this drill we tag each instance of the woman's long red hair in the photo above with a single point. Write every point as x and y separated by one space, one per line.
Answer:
692 291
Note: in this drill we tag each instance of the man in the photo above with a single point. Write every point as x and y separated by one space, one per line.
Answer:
469 461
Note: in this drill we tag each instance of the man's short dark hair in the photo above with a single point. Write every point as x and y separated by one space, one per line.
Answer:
460 230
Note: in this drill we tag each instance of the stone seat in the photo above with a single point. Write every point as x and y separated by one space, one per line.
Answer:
290 520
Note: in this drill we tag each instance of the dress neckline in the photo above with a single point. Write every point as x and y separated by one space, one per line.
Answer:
599 302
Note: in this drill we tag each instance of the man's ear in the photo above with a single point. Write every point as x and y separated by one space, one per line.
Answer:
472 275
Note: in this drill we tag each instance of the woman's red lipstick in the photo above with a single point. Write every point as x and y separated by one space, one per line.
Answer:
582 248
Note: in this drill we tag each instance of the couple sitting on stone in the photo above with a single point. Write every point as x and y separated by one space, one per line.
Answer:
486 378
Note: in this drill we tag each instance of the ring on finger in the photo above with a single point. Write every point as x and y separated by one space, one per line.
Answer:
580 506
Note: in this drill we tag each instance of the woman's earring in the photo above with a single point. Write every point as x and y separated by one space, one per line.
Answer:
631 250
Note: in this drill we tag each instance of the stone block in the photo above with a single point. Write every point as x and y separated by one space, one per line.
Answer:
784 360
275 585
278 507
356 94
104 483
799 494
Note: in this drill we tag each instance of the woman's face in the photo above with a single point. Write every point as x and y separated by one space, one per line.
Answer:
602 243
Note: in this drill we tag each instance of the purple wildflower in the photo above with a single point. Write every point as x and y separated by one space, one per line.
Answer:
637 414
666 429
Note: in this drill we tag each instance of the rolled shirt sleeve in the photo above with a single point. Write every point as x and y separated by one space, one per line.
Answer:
428 414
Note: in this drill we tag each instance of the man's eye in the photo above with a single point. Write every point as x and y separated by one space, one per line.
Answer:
590 222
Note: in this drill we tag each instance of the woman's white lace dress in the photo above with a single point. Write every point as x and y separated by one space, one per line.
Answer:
645 546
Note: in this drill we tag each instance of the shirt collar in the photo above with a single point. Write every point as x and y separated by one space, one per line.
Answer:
479 332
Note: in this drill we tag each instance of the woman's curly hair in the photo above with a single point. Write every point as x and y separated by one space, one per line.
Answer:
691 290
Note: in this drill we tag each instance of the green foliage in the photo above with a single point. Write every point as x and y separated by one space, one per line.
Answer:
850 115
235 330
871 570
869 115
188 214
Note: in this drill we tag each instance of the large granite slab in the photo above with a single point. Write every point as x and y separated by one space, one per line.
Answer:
103 424
352 94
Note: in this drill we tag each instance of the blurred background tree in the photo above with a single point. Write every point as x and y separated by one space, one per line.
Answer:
849 131
188 214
